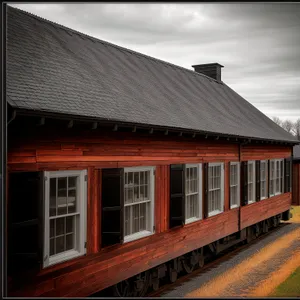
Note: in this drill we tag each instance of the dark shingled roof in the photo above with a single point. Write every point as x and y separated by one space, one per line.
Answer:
51 68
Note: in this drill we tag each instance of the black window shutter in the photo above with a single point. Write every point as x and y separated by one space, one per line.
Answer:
257 177
287 181
244 173
112 206
25 222
205 166
177 195
282 176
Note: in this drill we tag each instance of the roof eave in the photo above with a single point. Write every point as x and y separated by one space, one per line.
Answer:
47 114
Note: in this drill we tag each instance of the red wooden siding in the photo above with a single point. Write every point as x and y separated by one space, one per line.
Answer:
122 261
296 184
94 150
259 211
261 152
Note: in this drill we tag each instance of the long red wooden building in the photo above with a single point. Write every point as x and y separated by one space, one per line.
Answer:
120 163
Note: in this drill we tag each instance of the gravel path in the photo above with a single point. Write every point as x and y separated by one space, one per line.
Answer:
258 267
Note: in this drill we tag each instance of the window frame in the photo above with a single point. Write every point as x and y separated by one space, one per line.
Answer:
216 212
265 181
272 192
200 202
82 208
253 182
235 163
143 233
281 179
282 173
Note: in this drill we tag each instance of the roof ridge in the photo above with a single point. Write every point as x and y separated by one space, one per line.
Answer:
111 44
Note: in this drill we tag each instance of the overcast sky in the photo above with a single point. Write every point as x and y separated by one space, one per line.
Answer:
258 44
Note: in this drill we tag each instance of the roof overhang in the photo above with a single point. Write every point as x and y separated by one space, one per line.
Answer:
95 122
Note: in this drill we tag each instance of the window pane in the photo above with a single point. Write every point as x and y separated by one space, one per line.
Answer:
130 178
60 226
142 192
129 196
72 181
127 220
146 190
52 252
136 178
142 178
136 194
60 244
70 241
69 224
52 228
52 197
62 196
143 216
135 210
72 193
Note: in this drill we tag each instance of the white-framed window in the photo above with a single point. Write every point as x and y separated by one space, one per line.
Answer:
215 188
138 202
272 178
282 175
251 182
193 192
263 179
277 185
234 184
65 215
276 176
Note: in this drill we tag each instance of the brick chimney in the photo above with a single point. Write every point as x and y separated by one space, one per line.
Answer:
211 70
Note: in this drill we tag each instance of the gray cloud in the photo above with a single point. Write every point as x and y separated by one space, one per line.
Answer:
259 43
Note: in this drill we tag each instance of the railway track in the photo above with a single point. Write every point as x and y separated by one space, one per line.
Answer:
211 263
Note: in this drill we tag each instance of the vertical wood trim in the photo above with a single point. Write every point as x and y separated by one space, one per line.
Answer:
97 209
257 180
90 217
205 184
167 196
227 186
158 199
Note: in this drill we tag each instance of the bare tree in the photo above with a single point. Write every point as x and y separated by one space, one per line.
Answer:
277 121
288 125
296 128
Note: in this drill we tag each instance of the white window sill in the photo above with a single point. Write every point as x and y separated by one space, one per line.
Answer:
279 193
137 236
263 198
61 257
191 220
215 212
234 206
272 195
252 201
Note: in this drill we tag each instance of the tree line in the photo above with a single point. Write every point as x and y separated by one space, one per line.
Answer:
289 126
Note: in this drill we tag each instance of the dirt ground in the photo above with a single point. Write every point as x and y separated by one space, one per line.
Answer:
254 272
